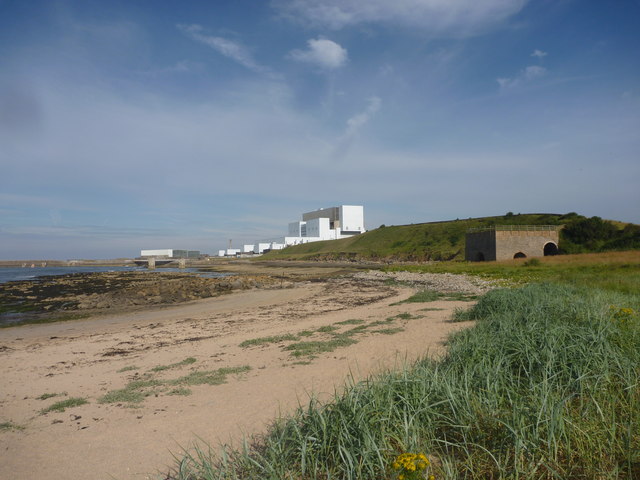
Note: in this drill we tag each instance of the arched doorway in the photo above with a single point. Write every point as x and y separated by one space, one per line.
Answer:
550 249
519 255
479 257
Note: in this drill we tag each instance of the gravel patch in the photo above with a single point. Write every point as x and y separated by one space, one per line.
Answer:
440 282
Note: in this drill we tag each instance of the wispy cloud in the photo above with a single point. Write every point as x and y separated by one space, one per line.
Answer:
323 53
526 75
354 125
459 18
539 53
229 48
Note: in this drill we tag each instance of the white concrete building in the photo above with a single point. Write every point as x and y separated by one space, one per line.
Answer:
259 248
324 224
170 253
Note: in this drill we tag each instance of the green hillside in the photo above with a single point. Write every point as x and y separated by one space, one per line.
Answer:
446 240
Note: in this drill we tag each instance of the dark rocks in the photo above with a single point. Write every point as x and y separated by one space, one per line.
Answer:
109 291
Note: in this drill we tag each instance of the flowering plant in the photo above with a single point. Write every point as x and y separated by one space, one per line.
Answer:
622 316
410 466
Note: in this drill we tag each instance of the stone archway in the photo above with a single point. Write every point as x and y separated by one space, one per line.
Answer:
519 255
550 248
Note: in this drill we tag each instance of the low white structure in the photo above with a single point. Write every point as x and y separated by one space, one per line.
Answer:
170 253
259 248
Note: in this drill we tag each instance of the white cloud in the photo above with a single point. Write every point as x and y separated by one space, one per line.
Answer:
354 125
322 52
526 75
446 17
539 53
356 122
224 46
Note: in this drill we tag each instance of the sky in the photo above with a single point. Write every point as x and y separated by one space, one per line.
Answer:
129 125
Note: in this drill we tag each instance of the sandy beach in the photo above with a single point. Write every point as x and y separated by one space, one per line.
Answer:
123 440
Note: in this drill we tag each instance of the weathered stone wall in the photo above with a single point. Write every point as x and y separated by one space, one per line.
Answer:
529 243
480 246
505 243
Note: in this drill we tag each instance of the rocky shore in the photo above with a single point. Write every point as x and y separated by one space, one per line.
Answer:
46 298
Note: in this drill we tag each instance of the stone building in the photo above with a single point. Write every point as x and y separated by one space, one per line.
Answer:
504 242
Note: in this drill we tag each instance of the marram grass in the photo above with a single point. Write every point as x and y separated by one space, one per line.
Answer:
545 386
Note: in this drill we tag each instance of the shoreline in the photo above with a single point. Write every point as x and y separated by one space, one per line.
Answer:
91 358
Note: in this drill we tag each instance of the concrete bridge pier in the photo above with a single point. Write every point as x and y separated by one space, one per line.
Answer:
151 264
182 263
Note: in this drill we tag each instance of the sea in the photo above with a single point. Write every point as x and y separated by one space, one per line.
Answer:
9 274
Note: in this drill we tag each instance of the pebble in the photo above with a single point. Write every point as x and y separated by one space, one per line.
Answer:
441 282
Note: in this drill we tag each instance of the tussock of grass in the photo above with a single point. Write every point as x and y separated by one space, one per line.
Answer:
312 348
352 321
186 361
422 296
46 396
266 340
127 369
62 405
134 392
388 331
180 391
8 426
209 377
545 386
137 390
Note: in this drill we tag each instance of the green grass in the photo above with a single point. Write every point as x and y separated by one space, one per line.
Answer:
209 377
545 386
388 331
134 392
137 390
352 321
418 242
46 396
180 391
272 339
8 426
422 296
616 271
62 405
313 348
186 361
127 369
442 241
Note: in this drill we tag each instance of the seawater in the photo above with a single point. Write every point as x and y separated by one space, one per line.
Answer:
9 274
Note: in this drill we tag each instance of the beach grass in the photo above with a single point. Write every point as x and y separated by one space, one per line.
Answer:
186 361
267 340
137 390
62 405
544 386
312 348
128 368
46 396
9 426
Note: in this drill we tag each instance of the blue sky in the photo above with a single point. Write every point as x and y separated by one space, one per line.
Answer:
127 125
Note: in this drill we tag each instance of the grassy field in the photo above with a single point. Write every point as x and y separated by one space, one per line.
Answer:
545 386
446 240
615 271
419 242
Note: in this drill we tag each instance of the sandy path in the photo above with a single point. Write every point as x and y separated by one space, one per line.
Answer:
109 440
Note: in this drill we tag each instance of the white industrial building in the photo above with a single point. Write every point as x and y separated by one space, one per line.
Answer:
324 224
170 253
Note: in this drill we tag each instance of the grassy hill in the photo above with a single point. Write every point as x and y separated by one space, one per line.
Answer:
446 240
